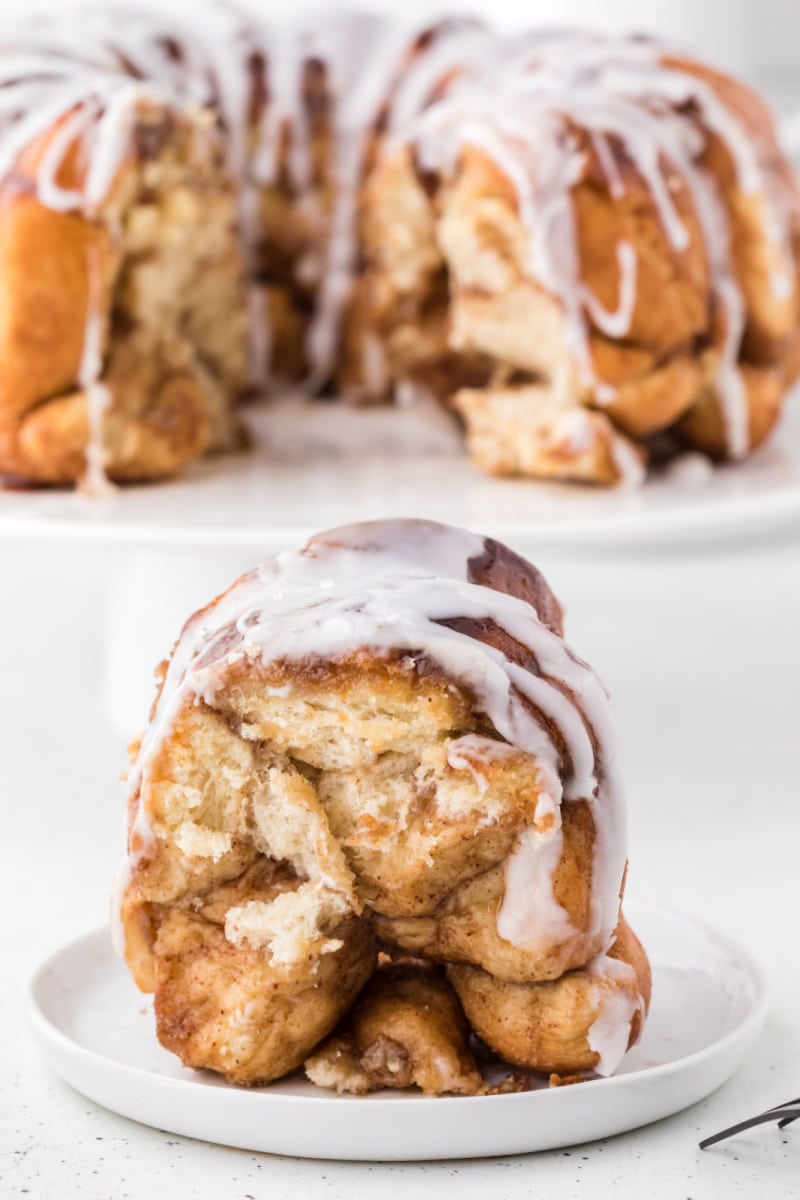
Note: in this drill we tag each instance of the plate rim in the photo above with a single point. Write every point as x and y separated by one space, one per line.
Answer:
723 523
767 503
46 1031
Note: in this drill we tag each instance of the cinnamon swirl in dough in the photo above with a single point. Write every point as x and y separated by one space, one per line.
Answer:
381 739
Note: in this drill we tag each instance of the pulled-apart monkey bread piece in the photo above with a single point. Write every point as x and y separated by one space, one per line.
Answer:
381 740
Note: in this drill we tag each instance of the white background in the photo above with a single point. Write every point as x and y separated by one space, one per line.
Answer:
702 655
748 35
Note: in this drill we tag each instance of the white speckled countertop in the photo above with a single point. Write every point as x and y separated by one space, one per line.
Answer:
702 655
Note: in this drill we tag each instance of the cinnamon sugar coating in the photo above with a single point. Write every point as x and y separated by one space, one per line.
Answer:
406 1029
337 763
547 1027
575 244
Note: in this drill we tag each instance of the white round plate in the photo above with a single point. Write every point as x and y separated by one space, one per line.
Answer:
317 465
709 1002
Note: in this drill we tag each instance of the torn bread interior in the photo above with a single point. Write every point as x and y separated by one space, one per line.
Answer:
381 741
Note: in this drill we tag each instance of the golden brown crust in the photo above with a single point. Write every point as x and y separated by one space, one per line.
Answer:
155 276
546 1027
448 276
177 903
287 814
463 929
703 427
441 296
501 569
406 1029
228 1008
157 422
363 745
45 299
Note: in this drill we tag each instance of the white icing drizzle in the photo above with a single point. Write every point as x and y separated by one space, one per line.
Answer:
616 1007
523 101
613 175
111 135
455 53
364 58
387 585
522 111
530 916
472 751
284 114
371 65
98 396
50 194
355 116
259 364
47 77
617 323
119 886
230 42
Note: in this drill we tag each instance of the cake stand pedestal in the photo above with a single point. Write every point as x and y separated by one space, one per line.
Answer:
612 553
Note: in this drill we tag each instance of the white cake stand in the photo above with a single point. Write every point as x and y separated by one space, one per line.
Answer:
317 465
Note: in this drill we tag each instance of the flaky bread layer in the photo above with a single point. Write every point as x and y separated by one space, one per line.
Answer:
352 762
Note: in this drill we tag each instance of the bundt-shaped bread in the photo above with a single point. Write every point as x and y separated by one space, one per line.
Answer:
406 1029
381 740
584 246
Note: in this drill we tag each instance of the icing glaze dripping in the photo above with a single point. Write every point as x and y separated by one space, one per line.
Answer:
616 1008
472 752
538 105
522 113
530 916
98 396
375 69
617 323
365 75
392 587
